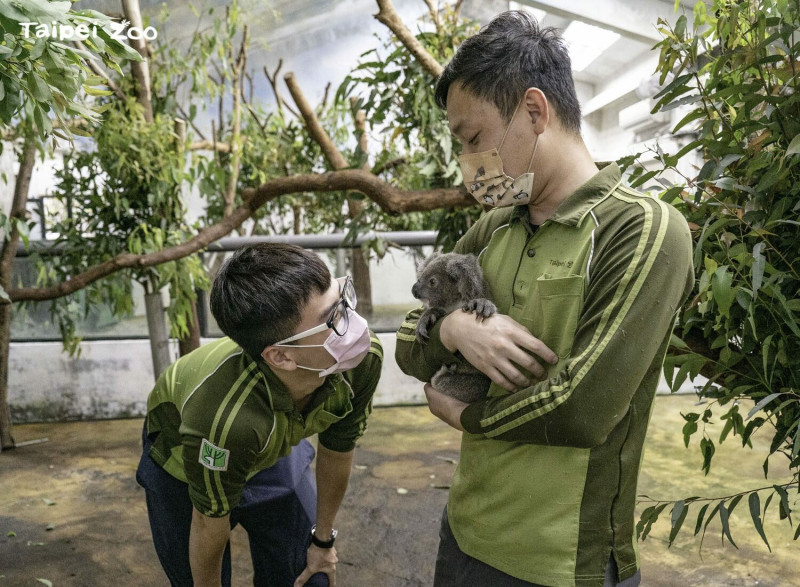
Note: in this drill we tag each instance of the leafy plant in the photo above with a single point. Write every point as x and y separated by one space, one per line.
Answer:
737 71
41 77
416 149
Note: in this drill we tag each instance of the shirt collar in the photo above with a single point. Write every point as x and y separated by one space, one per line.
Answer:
572 210
280 397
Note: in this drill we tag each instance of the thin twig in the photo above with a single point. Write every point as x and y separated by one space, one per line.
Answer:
186 117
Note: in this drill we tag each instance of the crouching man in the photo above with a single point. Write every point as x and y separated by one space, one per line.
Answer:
226 427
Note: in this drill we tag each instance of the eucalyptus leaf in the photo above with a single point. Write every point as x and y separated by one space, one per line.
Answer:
794 146
755 514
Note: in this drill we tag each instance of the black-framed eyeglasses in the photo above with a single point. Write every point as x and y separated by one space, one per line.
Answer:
339 318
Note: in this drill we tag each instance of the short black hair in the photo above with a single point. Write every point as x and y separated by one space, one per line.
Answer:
259 293
508 56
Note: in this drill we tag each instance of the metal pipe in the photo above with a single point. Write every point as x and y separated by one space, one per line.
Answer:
307 241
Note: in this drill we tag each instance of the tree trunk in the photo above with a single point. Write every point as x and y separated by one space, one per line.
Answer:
359 266
6 434
140 69
362 281
157 329
192 340
9 251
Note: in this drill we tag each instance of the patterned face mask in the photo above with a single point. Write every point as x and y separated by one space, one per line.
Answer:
485 179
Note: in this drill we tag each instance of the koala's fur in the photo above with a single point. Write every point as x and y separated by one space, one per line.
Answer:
446 282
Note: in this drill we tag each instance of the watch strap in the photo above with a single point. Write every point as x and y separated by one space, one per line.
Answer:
323 543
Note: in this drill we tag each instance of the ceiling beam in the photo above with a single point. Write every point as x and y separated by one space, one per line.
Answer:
621 86
634 20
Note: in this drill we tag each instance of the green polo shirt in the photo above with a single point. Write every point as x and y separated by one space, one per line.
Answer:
546 484
219 417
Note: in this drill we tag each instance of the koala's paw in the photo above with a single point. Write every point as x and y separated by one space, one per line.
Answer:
426 321
481 306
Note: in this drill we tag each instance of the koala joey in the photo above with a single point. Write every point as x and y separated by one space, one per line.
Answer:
446 282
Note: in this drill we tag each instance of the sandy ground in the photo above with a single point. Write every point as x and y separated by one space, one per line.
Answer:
72 514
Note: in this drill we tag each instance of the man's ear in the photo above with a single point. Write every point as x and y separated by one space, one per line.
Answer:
275 357
538 109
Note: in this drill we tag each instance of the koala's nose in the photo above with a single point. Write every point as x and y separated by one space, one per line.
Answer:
415 290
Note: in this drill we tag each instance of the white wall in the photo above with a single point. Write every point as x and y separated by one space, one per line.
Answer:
111 379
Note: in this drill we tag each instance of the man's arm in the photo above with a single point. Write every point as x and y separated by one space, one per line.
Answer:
207 540
638 283
505 338
333 475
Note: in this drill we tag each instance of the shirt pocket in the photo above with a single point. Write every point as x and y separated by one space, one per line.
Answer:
322 419
560 301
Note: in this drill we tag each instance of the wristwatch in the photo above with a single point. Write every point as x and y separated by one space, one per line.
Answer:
323 543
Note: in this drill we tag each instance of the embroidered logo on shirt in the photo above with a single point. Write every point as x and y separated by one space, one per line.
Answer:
213 457
560 263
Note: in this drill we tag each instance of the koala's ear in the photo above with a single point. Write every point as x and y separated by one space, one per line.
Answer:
466 272
425 262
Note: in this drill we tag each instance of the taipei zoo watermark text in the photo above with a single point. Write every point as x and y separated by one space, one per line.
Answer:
120 31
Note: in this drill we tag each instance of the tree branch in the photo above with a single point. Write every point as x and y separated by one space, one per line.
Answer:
699 346
355 207
141 69
389 198
99 71
389 17
7 252
21 189
315 130
433 10
209 146
186 117
273 81
237 69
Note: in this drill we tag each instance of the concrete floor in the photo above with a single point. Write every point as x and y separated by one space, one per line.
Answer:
72 514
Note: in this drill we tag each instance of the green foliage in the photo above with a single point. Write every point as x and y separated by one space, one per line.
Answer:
738 72
41 77
120 191
416 148
122 196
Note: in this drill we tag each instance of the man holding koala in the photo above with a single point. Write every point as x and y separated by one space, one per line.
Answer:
587 276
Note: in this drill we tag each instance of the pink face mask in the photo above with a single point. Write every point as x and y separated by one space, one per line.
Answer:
348 350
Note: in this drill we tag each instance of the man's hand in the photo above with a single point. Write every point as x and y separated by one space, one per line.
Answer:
446 408
490 345
319 560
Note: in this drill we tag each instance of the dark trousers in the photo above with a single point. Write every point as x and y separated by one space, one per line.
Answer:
277 509
456 569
